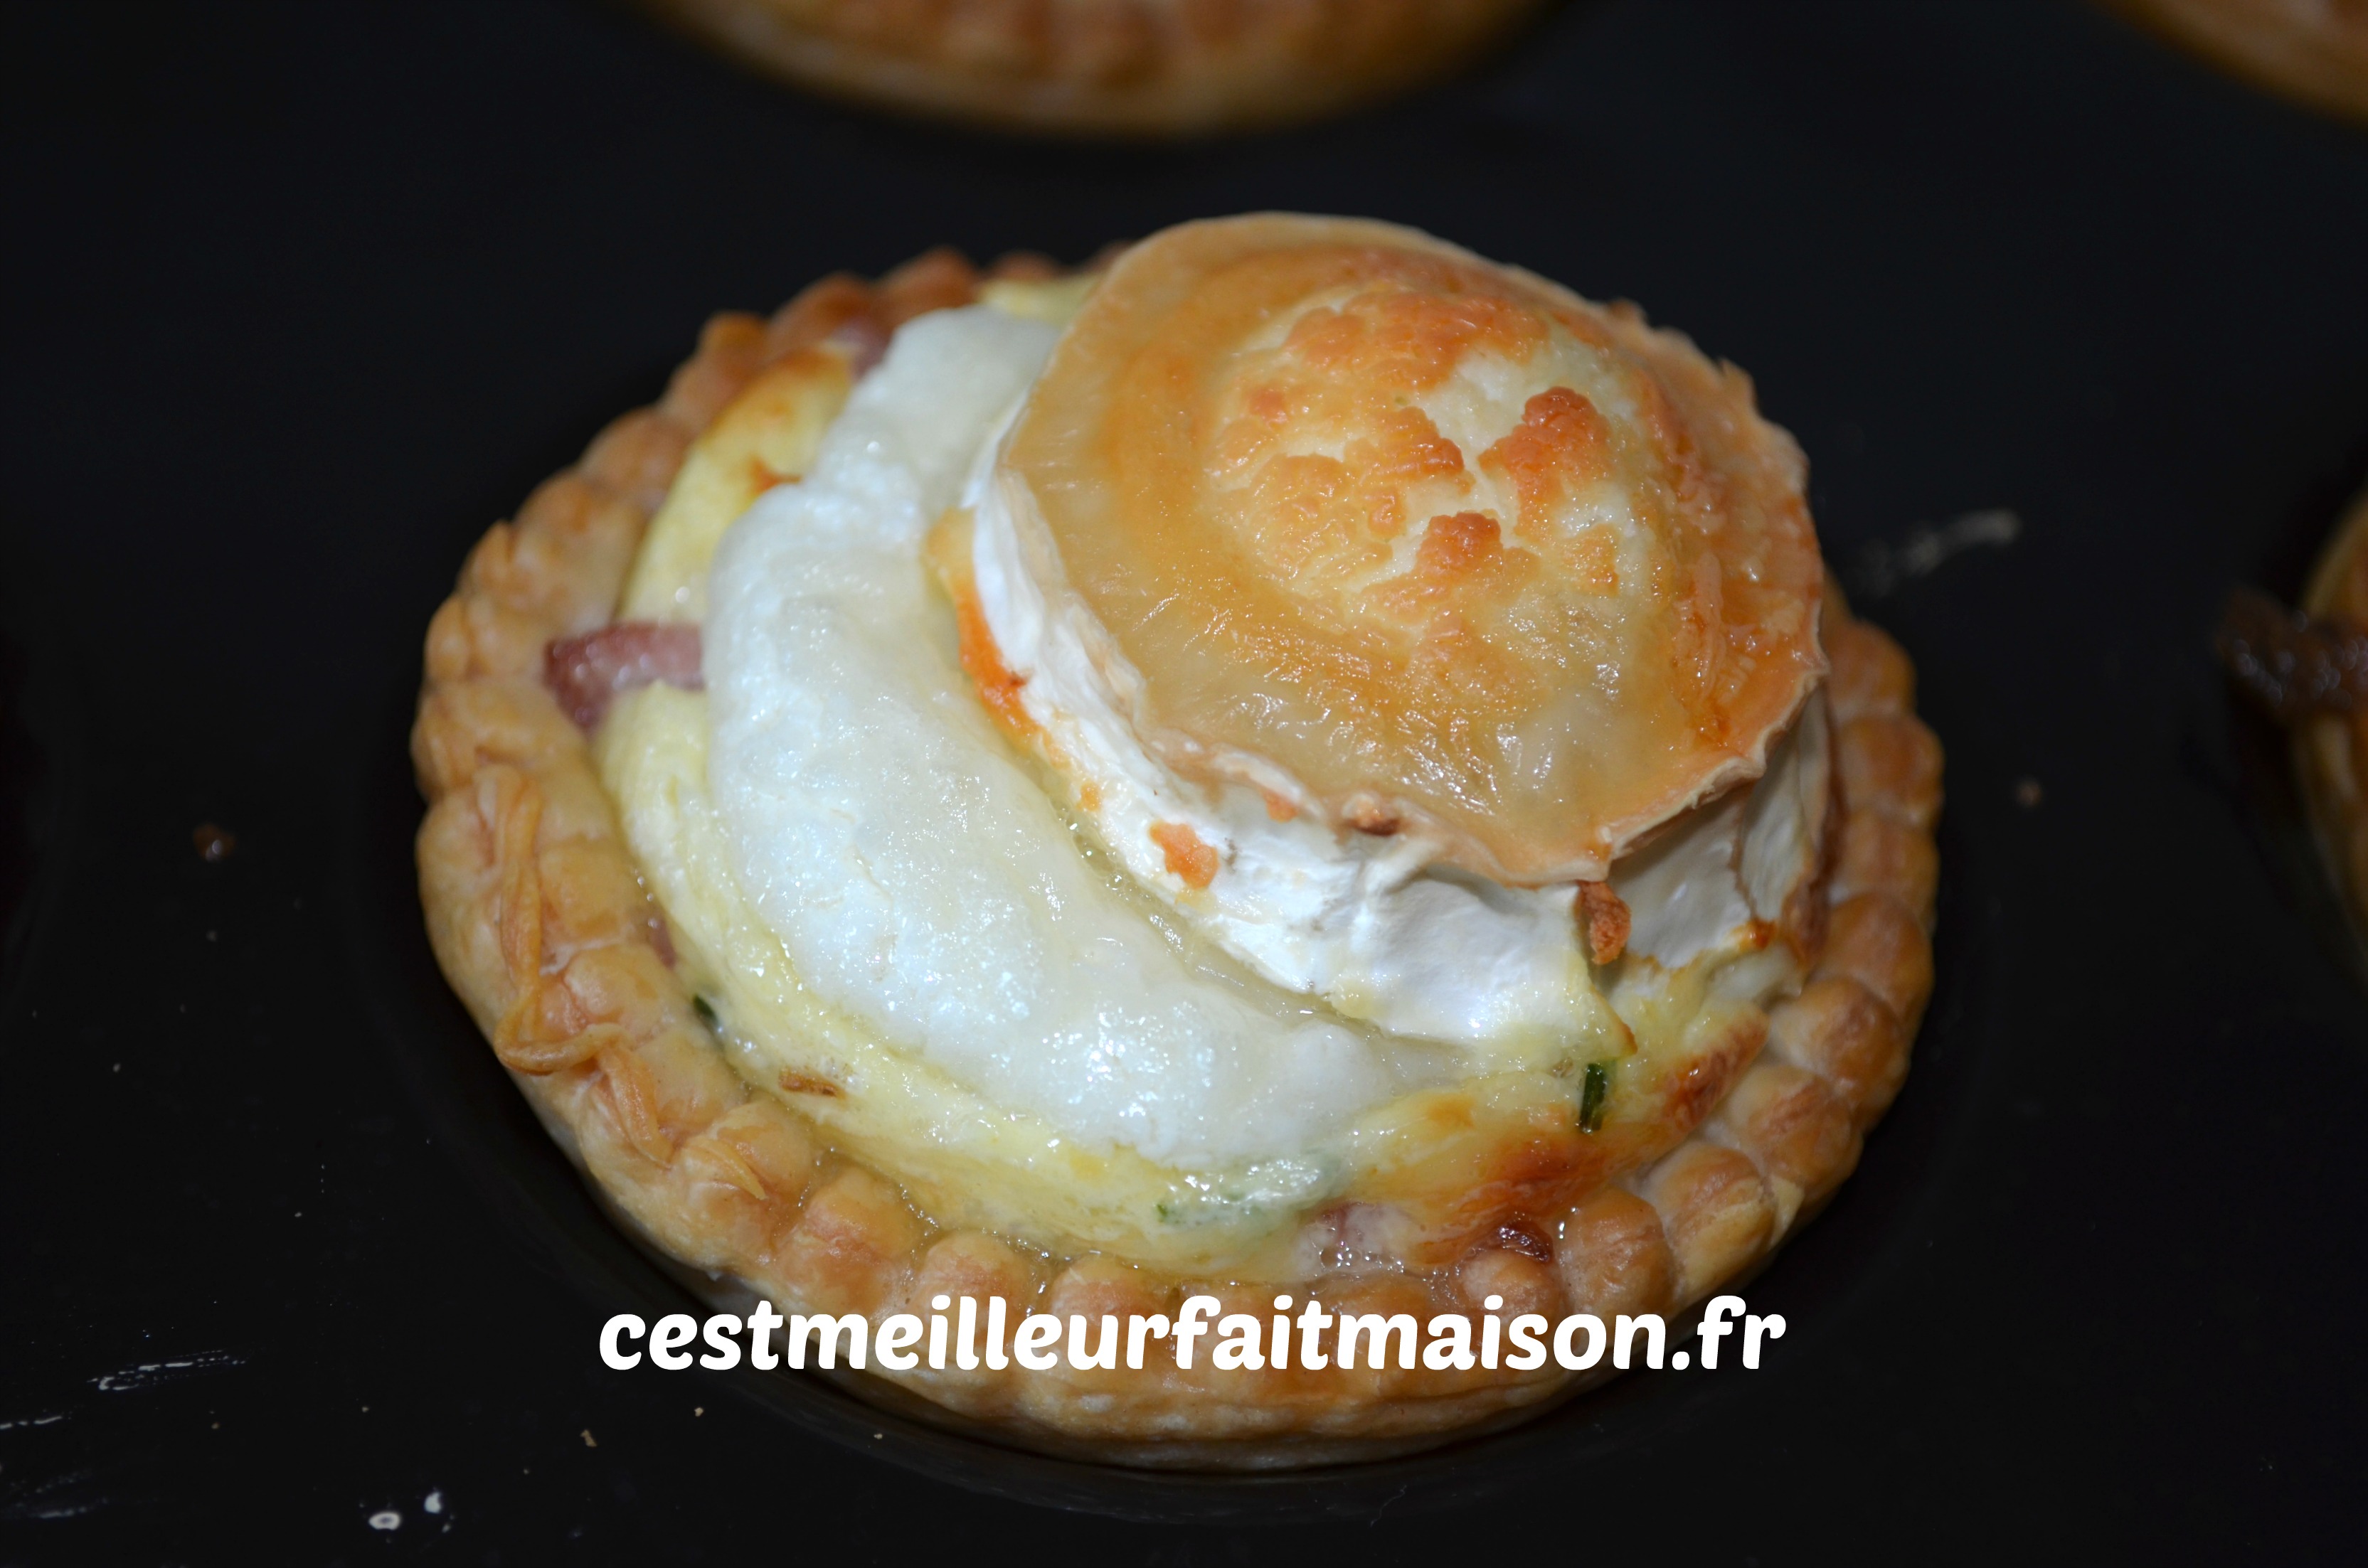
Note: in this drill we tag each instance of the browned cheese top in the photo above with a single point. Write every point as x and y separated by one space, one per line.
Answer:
1438 544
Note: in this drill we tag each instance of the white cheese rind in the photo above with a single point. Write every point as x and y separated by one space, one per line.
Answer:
1373 926
1707 884
1354 919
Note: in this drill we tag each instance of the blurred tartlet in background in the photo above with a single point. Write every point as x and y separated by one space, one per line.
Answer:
2312 51
1142 68
2307 668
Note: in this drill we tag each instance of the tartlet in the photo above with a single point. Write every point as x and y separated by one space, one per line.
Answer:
718 845
1111 67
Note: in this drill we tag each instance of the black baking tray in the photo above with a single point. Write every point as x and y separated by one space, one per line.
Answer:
299 299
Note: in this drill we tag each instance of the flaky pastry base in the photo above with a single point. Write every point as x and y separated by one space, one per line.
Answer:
539 919
1123 67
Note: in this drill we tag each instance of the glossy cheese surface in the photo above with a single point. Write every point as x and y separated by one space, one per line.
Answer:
1415 543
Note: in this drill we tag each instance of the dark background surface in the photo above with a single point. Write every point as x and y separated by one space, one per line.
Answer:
300 298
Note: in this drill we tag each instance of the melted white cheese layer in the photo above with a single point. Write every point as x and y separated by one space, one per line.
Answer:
920 880
914 872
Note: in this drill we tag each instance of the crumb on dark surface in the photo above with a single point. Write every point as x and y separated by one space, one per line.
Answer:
213 842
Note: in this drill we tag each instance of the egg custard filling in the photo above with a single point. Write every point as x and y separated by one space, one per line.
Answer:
1198 760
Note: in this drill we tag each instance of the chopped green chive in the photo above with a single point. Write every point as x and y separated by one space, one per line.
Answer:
1591 1098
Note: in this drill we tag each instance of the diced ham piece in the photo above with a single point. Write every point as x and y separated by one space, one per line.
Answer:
587 673
1603 919
862 339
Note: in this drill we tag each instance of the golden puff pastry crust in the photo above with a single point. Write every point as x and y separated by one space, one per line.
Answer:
2314 51
1124 67
1699 1168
